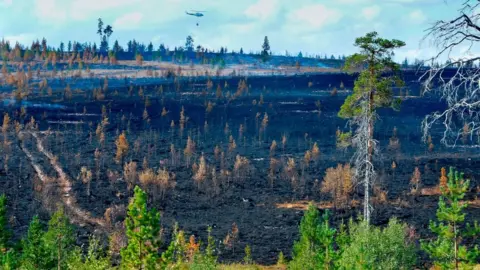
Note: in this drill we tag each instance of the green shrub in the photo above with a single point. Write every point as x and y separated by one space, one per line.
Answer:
248 255
369 247
281 259
202 262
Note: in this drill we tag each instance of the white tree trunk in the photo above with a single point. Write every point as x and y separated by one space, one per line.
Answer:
365 148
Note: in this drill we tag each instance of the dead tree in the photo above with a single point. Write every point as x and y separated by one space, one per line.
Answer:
460 90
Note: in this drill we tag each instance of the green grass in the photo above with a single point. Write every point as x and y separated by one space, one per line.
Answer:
250 267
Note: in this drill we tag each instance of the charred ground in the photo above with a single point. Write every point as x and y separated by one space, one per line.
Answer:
267 212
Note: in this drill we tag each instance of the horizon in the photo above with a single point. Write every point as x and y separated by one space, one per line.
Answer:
310 27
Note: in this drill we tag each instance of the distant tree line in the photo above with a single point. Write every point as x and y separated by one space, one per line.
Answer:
40 50
189 53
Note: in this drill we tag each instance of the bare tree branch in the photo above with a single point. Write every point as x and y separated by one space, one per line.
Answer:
456 81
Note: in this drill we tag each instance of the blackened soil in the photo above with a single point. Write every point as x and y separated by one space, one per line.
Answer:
249 201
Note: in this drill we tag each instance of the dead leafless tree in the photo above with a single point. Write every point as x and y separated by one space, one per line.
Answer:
455 81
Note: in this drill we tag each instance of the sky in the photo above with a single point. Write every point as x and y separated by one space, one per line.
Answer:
310 26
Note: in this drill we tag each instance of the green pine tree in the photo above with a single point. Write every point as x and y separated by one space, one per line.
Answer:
142 229
372 90
210 250
9 261
169 254
59 240
448 250
33 249
205 260
175 255
314 249
372 86
95 259
5 232
8 256
265 49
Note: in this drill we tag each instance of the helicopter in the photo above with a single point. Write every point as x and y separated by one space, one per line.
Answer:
195 13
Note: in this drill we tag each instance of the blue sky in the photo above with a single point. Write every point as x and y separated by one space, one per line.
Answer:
311 26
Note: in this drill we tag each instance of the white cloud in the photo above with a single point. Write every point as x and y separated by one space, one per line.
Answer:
50 10
128 21
101 5
417 16
56 11
371 12
214 42
239 28
7 2
157 39
363 28
412 53
84 9
403 1
352 1
24 38
263 9
312 17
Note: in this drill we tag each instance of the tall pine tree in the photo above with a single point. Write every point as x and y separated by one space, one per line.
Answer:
33 248
372 90
59 240
142 229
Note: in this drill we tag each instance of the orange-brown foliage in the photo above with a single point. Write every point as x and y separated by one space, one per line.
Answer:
339 183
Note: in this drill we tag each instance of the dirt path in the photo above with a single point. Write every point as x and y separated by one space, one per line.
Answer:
41 175
80 216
